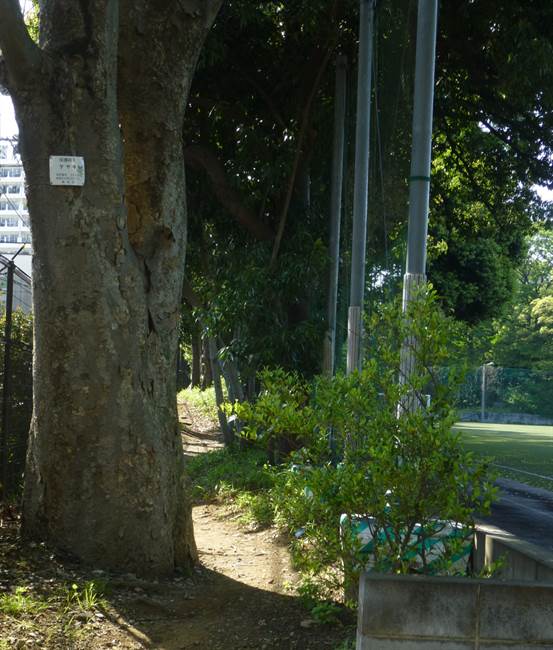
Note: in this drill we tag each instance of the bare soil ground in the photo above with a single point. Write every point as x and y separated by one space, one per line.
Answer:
241 596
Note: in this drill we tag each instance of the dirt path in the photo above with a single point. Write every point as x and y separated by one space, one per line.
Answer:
241 596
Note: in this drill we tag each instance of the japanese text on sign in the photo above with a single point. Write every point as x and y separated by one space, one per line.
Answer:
67 170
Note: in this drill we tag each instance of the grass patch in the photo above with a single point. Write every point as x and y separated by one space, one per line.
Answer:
229 472
22 603
241 477
87 597
521 447
202 400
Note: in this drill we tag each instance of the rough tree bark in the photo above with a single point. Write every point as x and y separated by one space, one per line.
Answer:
109 82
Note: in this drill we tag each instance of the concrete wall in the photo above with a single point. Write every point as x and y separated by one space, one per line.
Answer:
421 613
520 560
504 418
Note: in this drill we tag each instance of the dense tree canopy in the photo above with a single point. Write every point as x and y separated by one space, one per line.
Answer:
259 146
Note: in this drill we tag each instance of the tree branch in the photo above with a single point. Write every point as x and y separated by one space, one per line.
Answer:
198 155
20 55
305 116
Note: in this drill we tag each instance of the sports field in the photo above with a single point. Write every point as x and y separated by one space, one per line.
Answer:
515 446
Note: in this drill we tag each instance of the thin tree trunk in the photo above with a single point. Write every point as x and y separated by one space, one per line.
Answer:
218 386
207 374
196 360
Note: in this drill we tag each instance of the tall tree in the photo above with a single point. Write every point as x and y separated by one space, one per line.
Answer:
108 80
492 143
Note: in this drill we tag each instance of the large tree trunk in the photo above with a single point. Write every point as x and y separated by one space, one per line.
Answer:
104 476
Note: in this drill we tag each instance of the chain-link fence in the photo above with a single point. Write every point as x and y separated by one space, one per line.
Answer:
493 393
16 359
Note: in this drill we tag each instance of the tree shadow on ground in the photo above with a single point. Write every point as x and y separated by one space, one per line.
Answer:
207 611
215 612
197 442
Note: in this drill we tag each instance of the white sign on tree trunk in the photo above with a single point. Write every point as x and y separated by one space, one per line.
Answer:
67 170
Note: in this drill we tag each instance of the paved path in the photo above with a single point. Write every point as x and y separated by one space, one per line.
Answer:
524 511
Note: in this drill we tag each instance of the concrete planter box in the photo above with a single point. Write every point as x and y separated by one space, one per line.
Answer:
521 560
421 613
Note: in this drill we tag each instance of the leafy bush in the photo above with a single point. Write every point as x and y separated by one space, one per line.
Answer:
281 418
370 447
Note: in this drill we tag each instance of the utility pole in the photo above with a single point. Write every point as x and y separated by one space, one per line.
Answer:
483 394
335 212
419 180
483 389
361 183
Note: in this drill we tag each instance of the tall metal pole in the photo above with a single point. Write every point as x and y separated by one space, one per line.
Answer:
335 212
419 180
361 183
6 388
483 394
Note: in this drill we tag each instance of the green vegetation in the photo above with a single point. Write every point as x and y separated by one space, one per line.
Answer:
256 135
53 614
21 397
86 597
230 473
22 602
346 453
201 399
525 447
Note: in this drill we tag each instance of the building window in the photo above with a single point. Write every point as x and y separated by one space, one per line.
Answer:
3 151
14 172
13 189
9 222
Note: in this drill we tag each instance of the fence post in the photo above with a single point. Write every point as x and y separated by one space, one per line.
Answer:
6 389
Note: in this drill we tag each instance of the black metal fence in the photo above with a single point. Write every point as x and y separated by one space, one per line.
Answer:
16 361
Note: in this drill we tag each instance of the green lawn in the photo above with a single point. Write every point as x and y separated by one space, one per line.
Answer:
524 447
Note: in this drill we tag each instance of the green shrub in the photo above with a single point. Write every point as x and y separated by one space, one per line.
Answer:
369 448
281 419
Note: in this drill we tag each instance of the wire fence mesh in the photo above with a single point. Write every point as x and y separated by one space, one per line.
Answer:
507 395
16 360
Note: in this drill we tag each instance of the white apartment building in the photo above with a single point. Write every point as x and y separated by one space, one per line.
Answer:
14 216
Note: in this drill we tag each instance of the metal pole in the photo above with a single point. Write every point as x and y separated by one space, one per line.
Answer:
6 388
483 394
335 212
419 180
361 183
